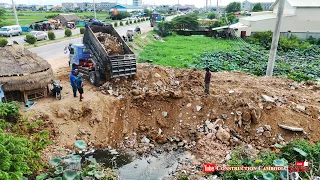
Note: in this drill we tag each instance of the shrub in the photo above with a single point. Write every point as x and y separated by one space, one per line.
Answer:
51 35
82 30
3 42
127 23
121 23
164 28
31 39
130 22
134 21
139 20
68 32
115 24
9 112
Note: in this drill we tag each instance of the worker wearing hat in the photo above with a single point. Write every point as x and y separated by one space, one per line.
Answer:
73 82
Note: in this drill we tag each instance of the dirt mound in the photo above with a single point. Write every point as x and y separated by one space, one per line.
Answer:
168 105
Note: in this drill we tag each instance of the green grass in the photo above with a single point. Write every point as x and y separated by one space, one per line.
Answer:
183 51
26 18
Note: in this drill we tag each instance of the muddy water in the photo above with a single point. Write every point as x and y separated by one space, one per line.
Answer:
151 167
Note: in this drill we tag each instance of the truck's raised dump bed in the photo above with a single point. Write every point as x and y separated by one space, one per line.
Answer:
109 64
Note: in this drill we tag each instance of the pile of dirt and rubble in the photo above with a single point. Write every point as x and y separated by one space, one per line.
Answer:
162 106
112 45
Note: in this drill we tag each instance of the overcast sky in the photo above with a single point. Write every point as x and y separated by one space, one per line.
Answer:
198 3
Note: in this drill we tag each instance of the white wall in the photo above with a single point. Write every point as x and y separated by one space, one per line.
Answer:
288 9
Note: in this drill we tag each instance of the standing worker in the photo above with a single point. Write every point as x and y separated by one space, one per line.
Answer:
79 83
73 82
207 81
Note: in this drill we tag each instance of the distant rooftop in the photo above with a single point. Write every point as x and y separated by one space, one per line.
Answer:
302 3
262 17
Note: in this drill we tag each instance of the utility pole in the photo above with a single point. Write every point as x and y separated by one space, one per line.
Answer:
206 5
94 9
275 39
15 13
217 14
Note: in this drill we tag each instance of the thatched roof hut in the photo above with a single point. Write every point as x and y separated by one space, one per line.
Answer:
22 70
65 18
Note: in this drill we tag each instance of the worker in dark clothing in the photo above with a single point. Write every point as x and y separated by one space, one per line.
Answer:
207 80
73 82
79 82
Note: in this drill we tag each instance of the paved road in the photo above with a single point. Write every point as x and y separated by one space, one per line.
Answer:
55 50
58 33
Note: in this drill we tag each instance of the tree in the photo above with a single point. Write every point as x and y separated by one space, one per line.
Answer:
147 12
164 28
189 21
212 15
218 23
233 7
257 7
121 16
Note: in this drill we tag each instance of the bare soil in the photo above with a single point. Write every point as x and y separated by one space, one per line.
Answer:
173 101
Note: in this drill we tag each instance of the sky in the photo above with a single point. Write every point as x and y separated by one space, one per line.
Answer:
197 3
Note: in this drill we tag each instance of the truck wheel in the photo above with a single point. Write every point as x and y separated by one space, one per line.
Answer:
93 78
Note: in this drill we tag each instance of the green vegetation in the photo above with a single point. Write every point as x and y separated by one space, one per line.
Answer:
27 17
120 16
3 42
164 28
2 14
21 143
183 51
82 30
289 154
121 23
257 7
51 35
233 7
31 39
212 15
115 24
296 65
189 21
68 32
264 39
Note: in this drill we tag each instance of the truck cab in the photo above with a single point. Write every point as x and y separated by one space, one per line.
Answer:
78 53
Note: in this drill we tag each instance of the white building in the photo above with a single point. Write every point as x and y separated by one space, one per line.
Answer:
137 3
5 6
248 5
69 6
300 17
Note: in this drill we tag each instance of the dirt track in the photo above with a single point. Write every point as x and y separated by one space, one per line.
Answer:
173 100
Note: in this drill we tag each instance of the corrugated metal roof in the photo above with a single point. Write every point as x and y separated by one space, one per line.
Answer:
263 17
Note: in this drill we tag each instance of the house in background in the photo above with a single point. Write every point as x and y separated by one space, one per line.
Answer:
300 18
65 18
248 5
6 6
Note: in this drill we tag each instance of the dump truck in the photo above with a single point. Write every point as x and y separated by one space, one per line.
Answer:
94 60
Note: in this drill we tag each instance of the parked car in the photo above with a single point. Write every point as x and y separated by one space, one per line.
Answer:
40 35
10 31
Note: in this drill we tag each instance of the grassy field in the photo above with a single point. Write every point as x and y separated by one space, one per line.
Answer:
182 51
26 18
